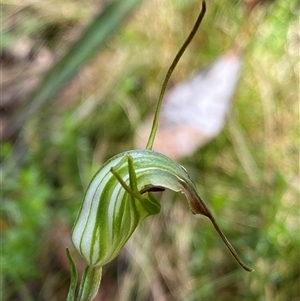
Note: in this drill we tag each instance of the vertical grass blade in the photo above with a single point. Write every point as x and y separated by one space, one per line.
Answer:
90 42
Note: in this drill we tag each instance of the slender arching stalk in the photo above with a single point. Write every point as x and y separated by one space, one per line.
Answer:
169 73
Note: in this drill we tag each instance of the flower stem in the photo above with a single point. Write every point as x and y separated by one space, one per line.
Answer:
90 283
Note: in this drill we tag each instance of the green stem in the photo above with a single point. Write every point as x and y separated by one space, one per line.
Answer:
90 283
169 73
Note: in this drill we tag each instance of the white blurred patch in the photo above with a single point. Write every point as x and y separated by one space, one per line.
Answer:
195 111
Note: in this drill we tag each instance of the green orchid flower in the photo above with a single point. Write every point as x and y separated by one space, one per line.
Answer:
120 196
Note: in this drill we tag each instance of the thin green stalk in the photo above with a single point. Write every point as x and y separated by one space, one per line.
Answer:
169 73
90 283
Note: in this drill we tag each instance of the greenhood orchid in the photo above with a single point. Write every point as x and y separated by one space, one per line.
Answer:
120 196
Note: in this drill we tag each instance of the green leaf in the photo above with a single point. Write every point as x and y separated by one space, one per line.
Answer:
73 282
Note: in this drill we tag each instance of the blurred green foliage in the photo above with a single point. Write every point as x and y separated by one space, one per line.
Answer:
248 175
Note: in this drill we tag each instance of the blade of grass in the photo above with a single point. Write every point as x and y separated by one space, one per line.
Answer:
88 44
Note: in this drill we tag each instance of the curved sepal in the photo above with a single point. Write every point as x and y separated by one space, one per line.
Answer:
119 198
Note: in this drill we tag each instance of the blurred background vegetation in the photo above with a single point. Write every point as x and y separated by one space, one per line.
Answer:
249 175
